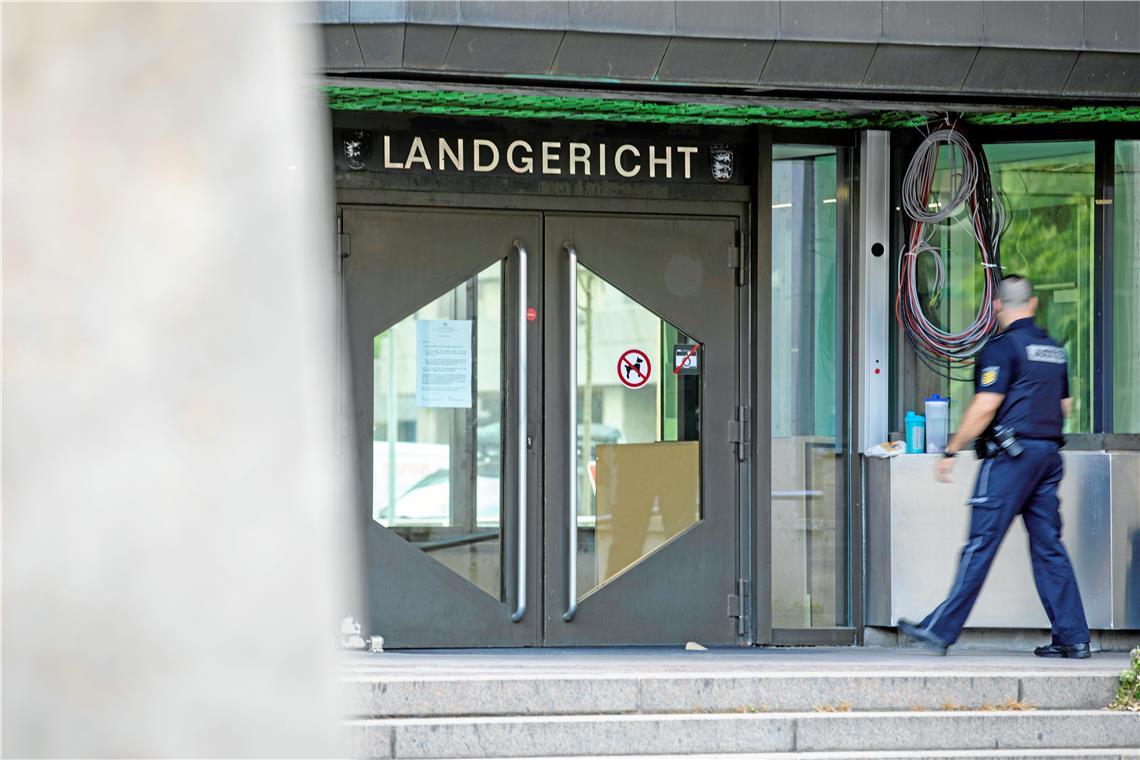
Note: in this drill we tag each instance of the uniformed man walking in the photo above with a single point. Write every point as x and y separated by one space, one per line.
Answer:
1020 402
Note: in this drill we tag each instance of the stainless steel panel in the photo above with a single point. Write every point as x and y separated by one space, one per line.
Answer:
734 19
1029 71
1126 539
873 271
1108 74
514 14
1033 24
610 56
817 64
386 12
506 51
1113 26
692 60
912 68
382 45
878 571
332 11
928 522
425 47
829 20
432 11
341 48
933 22
630 16
511 13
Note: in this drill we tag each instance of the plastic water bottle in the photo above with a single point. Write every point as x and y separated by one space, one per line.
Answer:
915 433
937 424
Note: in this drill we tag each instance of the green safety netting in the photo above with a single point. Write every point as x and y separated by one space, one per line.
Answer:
516 106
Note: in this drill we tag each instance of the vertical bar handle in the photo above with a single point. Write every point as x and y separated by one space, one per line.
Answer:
572 426
520 393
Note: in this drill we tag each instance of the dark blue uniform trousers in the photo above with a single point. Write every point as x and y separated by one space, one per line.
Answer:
1007 487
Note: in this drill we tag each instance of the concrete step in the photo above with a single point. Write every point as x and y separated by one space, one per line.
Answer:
383 696
792 732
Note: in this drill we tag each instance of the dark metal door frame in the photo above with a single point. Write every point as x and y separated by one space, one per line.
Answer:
732 204
682 590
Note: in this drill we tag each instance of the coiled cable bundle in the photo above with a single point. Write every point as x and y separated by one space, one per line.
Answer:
941 350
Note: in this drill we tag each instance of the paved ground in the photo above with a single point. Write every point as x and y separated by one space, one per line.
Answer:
647 661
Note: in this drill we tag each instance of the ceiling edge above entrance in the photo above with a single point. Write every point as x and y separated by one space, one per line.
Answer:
443 101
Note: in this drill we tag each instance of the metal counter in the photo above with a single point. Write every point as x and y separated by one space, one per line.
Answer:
916 527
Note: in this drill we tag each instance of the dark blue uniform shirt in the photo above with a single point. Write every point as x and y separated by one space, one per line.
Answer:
1031 369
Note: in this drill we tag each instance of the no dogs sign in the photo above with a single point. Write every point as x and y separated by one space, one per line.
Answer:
633 368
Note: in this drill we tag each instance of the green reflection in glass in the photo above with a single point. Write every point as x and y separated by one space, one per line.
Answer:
1126 289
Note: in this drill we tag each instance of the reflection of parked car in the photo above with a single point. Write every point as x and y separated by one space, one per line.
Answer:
428 502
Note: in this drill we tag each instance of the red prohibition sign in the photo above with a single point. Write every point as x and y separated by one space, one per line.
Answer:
633 368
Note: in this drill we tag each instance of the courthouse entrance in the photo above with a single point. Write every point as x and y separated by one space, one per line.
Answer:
548 423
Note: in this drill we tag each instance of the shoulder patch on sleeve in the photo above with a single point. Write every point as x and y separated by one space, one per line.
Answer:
989 375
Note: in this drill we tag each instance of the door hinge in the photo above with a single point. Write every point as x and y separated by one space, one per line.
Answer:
738 259
738 606
739 434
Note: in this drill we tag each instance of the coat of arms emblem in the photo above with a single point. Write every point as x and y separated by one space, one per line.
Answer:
720 161
357 147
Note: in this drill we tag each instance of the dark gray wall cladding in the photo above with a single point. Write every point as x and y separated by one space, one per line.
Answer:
827 20
911 68
341 48
633 16
936 22
1105 74
381 45
735 61
824 64
425 47
609 56
1113 26
502 51
735 20
1007 23
512 13
1041 72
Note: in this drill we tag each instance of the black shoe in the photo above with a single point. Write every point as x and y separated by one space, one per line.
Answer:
922 636
1068 651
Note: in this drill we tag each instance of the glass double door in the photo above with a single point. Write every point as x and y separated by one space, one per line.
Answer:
544 407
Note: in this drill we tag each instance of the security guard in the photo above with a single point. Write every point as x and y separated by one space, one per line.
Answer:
1020 402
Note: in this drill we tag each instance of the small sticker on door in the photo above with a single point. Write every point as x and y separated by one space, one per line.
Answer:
686 359
633 368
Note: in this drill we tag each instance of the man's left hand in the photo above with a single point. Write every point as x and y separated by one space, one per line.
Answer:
944 469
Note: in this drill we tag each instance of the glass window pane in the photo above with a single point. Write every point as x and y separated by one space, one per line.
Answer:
1047 190
437 442
1126 290
809 509
638 432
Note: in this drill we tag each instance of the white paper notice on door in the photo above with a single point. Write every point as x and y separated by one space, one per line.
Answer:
443 363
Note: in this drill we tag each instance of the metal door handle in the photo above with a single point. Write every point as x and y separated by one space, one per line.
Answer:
572 480
520 581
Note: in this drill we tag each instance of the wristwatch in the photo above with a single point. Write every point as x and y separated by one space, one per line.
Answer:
948 454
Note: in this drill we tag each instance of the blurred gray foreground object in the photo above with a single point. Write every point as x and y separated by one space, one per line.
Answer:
171 524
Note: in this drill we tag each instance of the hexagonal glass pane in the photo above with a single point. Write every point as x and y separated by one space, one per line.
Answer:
638 418
437 440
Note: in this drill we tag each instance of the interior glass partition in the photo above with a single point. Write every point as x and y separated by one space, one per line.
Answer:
810 558
1126 289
